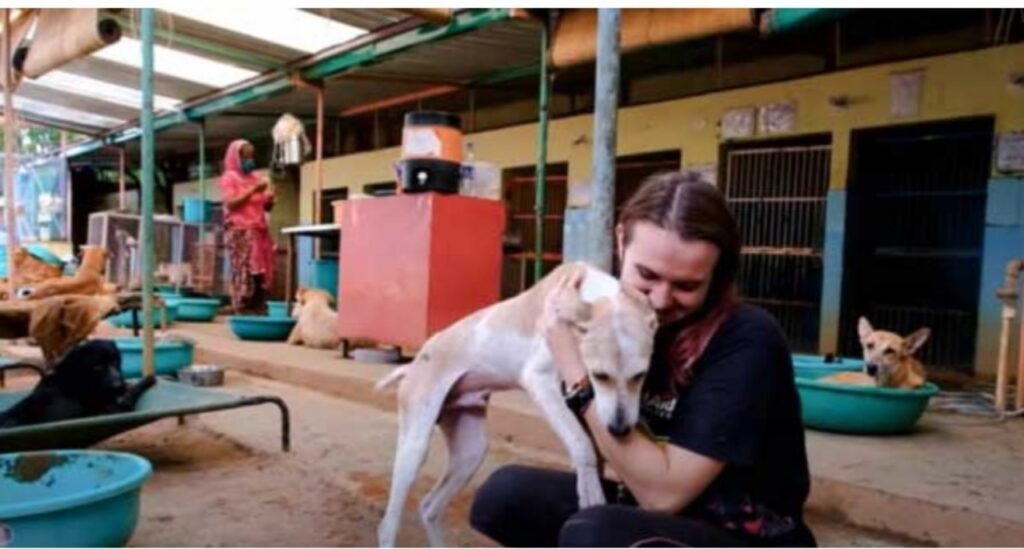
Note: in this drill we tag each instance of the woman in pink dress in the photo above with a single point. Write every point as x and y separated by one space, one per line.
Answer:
247 199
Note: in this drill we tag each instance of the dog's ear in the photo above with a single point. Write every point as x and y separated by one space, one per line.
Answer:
568 303
300 293
864 328
914 341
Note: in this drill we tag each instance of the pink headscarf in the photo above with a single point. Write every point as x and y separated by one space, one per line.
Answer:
233 162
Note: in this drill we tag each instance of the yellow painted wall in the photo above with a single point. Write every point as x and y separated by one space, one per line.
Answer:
962 84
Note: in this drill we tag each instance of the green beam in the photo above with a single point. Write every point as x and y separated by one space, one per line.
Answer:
502 75
779 20
464 21
147 198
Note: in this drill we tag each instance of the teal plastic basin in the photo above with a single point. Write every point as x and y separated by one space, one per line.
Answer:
261 328
70 498
277 309
814 366
168 356
124 319
197 309
861 410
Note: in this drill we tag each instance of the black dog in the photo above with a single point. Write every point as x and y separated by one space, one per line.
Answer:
87 381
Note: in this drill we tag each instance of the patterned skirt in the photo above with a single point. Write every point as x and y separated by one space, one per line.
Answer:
251 252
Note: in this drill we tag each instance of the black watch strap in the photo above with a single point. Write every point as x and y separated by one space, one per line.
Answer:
578 396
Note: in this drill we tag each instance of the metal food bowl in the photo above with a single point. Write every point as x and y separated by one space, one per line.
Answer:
202 375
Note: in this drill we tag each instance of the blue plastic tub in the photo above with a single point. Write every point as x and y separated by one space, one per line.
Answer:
197 210
277 309
168 356
815 366
861 410
124 319
197 309
70 498
261 328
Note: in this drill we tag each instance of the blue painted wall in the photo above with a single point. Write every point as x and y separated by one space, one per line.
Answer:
1004 240
832 285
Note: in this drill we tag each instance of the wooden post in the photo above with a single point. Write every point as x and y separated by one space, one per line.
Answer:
318 167
122 200
10 201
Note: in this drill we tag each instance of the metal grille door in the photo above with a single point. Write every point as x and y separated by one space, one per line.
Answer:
778 197
914 233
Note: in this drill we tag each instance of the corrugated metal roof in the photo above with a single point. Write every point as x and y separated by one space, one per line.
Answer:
505 44
369 19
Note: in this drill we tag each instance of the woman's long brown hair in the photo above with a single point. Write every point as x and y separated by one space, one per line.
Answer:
693 209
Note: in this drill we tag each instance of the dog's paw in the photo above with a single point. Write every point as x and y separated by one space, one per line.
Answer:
590 492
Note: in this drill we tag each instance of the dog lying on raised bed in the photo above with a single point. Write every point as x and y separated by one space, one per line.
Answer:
86 382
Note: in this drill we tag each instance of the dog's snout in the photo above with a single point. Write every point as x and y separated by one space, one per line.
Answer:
619 429
872 369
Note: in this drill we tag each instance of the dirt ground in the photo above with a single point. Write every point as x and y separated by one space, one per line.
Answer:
222 479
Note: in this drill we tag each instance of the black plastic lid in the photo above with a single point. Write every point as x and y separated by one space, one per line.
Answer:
433 118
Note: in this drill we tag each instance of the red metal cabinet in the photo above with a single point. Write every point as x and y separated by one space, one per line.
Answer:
413 264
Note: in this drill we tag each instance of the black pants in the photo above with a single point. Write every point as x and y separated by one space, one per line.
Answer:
256 304
530 507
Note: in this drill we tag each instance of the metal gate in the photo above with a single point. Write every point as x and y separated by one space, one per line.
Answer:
914 233
778 196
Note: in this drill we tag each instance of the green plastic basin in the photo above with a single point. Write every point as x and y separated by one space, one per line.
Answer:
70 498
261 328
168 356
197 309
861 410
277 309
124 318
815 366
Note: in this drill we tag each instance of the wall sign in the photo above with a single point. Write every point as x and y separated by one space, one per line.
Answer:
738 122
905 93
777 118
1010 152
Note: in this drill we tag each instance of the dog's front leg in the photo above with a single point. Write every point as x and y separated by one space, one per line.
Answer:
295 337
541 382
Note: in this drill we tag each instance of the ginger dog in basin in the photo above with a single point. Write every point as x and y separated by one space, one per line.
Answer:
503 347
888 359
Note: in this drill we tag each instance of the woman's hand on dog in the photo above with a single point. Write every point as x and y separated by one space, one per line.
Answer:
562 340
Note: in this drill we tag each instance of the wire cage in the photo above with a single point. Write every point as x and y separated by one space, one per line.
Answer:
180 259
778 195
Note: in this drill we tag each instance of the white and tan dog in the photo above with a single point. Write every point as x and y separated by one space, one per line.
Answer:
317 324
503 347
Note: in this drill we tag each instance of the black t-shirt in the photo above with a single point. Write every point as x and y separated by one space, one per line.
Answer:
741 407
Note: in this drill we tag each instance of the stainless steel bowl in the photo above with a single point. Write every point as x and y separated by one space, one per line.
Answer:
202 375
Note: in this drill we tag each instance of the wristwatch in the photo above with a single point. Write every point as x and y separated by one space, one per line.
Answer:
578 396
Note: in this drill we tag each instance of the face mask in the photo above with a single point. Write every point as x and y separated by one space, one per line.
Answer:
248 165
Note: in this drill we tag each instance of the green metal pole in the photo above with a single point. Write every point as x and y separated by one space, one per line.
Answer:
147 190
202 179
540 180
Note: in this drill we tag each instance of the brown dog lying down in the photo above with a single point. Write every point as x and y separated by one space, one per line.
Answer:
31 271
58 323
888 359
88 280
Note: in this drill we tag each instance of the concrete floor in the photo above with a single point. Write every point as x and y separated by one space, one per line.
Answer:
222 480
222 474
